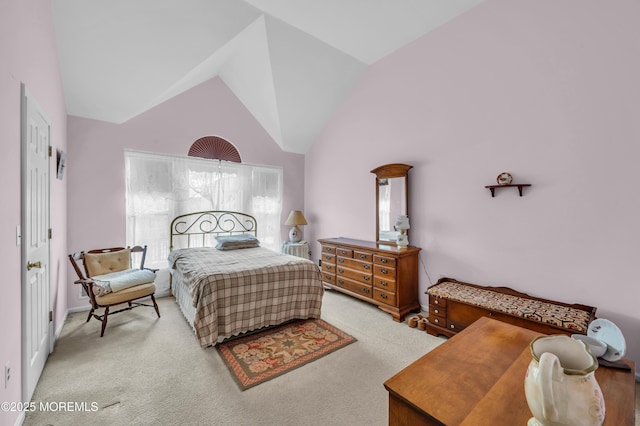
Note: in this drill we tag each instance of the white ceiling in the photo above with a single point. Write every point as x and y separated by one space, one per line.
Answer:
290 62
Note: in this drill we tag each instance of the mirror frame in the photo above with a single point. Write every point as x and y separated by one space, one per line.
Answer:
386 171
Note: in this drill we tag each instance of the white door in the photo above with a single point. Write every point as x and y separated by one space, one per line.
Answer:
36 325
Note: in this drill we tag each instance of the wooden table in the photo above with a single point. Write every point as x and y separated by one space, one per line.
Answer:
477 378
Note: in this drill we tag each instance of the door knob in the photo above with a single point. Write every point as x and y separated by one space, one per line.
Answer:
31 265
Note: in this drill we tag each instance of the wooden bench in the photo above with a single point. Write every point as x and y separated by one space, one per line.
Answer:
454 305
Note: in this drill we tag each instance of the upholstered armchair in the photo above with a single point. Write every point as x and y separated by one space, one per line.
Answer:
109 279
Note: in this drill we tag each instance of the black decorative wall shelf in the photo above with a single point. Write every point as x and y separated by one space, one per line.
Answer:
492 188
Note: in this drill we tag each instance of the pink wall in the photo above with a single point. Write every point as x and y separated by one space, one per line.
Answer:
96 159
545 90
27 55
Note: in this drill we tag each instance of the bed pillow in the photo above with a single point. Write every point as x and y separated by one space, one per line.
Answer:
234 242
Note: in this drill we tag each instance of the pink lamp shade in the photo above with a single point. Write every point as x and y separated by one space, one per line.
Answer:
295 218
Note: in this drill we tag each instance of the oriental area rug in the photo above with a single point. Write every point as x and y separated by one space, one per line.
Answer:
259 357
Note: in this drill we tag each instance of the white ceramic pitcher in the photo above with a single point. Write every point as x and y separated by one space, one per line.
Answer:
560 384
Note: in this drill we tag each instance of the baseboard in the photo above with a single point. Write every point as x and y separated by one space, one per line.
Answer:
60 326
78 309
163 293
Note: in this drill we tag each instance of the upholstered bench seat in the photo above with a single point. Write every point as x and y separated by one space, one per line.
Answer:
127 294
121 280
454 301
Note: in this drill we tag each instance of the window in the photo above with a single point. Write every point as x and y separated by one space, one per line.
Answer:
161 187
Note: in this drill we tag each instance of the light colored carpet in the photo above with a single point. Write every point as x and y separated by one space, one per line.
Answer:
152 371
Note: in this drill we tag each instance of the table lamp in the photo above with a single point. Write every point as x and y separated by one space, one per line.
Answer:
295 218
402 224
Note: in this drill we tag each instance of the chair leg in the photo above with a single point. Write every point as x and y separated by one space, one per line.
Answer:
90 313
104 320
155 305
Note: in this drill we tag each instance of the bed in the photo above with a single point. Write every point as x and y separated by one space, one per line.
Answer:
223 293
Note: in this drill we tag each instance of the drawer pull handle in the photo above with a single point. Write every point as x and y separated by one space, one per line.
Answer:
328 267
366 290
366 277
383 296
342 252
366 266
384 283
363 256
452 326
326 256
383 260
340 282
436 320
436 302
384 271
435 311
341 270
340 260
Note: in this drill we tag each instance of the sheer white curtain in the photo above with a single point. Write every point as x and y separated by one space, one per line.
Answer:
161 187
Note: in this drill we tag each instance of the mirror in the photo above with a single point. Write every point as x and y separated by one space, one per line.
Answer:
392 193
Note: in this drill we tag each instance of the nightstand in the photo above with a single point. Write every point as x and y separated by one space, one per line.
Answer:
300 249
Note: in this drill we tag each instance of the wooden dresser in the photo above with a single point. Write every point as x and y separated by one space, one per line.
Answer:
384 275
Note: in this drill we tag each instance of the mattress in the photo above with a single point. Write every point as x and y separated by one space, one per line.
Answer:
226 293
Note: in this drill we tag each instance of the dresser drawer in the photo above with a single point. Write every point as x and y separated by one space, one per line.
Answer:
365 256
384 283
328 278
385 297
344 252
328 267
329 258
438 311
354 286
435 320
437 315
383 260
329 249
363 277
437 301
355 264
455 326
384 271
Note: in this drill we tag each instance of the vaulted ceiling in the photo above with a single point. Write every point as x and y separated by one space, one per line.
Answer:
290 62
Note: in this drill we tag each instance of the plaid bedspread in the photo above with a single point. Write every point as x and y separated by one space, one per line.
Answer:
242 290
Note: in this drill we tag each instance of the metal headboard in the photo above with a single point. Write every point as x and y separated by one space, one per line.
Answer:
200 229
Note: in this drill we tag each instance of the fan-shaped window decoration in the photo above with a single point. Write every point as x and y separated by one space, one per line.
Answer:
215 148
